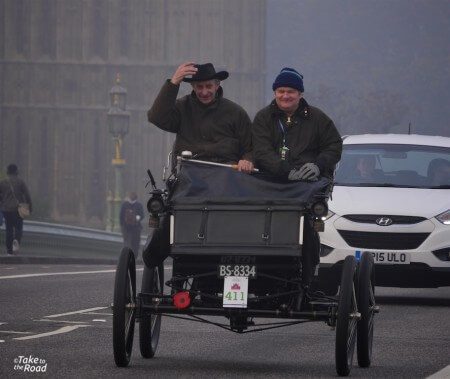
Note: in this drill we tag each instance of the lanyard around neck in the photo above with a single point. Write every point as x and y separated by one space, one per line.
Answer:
283 131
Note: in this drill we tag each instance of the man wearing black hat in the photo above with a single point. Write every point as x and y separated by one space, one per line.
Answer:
211 127
295 141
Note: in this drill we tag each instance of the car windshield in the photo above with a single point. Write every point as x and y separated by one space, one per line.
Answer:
390 165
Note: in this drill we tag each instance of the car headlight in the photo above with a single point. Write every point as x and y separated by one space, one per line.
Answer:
155 205
319 209
328 215
444 217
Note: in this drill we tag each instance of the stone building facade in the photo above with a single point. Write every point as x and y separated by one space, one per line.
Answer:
58 61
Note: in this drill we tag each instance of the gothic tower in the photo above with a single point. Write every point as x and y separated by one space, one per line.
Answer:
58 61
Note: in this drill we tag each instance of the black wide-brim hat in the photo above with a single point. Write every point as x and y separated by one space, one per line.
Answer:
206 72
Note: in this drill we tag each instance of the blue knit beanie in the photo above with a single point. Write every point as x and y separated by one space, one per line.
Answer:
288 77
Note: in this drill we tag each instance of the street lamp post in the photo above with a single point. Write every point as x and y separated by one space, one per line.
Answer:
118 124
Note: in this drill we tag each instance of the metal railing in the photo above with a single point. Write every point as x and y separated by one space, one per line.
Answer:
42 239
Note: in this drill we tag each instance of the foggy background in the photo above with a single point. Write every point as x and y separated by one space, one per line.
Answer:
372 66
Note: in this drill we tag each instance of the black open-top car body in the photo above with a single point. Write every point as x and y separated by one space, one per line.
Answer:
238 245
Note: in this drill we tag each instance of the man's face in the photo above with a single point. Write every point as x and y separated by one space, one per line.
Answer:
206 91
366 167
287 98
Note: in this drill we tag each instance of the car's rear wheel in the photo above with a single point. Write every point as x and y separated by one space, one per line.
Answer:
367 308
347 317
124 308
150 324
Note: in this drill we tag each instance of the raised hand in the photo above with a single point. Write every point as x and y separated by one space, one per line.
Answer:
185 69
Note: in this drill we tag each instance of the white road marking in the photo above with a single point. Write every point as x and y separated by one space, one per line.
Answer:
59 321
60 273
75 312
2 323
443 374
64 329
56 273
98 320
2 341
13 332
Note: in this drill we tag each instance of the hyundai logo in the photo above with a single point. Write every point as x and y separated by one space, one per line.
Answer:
384 221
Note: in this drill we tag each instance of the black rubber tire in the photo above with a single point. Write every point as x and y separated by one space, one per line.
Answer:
366 304
150 325
124 311
346 325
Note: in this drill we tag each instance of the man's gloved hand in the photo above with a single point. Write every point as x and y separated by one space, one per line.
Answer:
294 174
309 171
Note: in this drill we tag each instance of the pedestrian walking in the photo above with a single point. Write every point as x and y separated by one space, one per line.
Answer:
15 204
131 215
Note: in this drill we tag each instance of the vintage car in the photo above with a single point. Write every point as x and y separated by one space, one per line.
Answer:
235 242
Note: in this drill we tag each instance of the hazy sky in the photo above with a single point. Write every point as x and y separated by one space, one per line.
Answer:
371 65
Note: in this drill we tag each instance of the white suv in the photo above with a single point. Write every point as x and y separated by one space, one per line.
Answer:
391 197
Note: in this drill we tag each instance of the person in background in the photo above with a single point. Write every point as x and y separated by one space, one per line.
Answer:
13 191
439 172
131 215
212 127
365 169
295 141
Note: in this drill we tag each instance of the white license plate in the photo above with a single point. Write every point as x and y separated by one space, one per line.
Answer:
391 257
237 270
235 292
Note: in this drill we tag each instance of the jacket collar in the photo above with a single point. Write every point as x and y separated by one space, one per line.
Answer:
303 110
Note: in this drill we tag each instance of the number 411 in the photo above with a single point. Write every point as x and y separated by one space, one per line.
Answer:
232 295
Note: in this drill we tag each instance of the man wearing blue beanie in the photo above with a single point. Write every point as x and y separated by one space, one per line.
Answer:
293 140
288 77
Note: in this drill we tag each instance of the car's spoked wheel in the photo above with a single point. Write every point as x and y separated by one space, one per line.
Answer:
367 307
347 318
124 308
150 324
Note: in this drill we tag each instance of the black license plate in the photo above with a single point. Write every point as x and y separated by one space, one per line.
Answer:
237 270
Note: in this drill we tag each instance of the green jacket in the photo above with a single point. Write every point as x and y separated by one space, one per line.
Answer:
311 137
219 132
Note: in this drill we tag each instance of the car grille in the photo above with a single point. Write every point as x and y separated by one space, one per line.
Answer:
387 241
371 219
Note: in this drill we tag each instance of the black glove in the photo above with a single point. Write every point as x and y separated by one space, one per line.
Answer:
293 175
309 171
